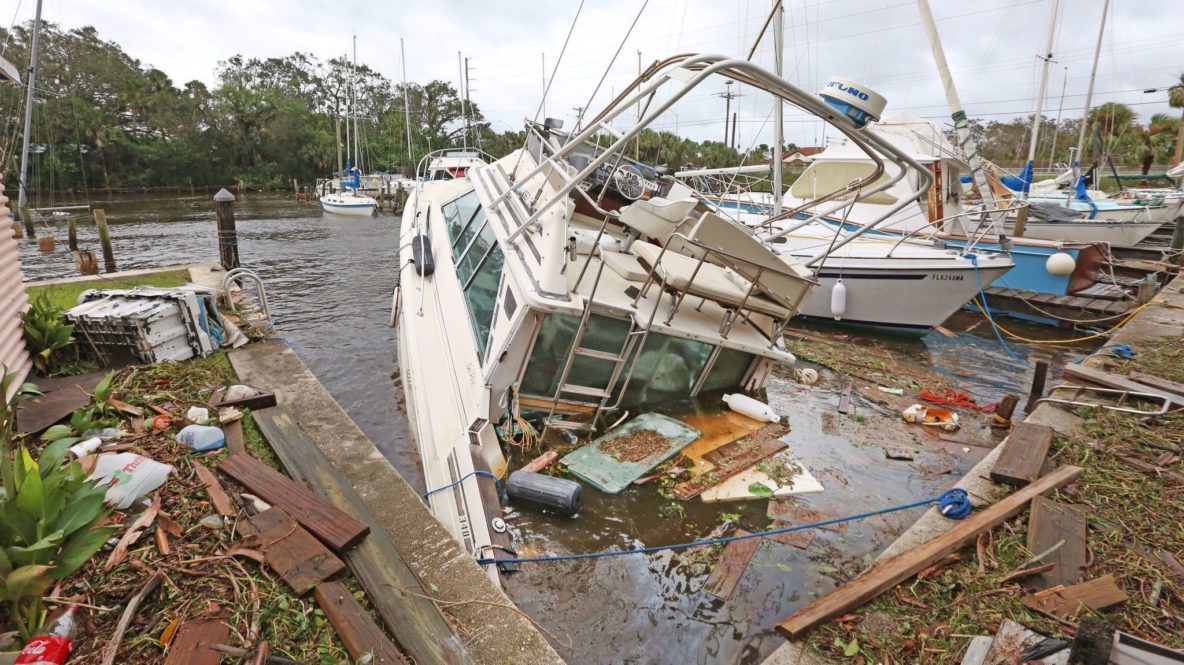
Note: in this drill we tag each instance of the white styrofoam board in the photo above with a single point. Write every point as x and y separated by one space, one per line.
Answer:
736 487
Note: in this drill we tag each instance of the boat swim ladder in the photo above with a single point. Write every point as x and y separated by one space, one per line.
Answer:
634 340
244 287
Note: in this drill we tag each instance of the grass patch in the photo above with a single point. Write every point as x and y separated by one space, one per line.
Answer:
66 295
1132 516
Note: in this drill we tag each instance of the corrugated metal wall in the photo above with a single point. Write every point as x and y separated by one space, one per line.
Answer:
12 300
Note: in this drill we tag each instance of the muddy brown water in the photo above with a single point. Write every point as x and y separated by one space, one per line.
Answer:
329 284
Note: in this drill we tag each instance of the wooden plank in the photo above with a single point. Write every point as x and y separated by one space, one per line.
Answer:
218 497
353 624
1049 524
541 462
293 553
1108 380
34 415
1158 383
1023 454
732 563
264 400
1067 601
889 573
1151 469
741 454
798 539
845 400
335 527
789 513
391 586
192 644
234 437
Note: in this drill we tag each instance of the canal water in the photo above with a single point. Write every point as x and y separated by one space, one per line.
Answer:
329 284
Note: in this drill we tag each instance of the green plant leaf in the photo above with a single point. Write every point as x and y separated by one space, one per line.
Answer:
30 496
80 547
40 552
28 581
82 512
852 648
5 563
23 525
56 432
103 390
53 456
760 489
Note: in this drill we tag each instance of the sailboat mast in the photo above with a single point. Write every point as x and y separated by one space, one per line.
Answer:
23 196
406 103
1047 58
961 125
348 110
353 76
778 130
1089 93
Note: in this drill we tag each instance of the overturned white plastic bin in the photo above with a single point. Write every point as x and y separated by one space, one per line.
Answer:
152 325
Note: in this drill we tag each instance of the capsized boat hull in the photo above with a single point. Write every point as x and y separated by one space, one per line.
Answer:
918 298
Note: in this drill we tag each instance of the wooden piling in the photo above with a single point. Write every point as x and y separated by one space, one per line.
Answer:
227 234
45 243
27 219
1177 241
72 233
18 231
105 239
1038 379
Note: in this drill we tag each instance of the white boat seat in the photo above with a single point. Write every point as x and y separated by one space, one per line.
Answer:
711 282
656 217
625 265
782 277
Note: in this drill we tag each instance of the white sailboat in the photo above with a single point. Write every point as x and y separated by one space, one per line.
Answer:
349 200
561 281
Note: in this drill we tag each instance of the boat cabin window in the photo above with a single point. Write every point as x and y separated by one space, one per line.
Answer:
478 261
668 369
826 177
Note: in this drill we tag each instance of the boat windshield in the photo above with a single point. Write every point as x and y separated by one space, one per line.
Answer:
824 177
478 261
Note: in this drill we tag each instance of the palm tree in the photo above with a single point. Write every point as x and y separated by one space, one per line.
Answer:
1176 101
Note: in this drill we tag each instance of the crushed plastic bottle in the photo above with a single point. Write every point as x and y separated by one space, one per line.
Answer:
202 437
54 642
106 434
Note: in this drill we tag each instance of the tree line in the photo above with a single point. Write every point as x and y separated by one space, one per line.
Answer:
105 120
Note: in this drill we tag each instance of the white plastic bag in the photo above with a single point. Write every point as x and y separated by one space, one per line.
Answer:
130 477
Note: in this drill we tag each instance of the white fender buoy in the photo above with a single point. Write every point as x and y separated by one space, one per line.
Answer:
838 300
806 375
1060 264
753 408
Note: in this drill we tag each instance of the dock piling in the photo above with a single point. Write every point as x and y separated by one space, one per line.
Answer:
1177 241
72 234
227 234
27 219
105 240
1038 379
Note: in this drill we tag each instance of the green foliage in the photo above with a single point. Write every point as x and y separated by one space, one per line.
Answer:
47 515
46 334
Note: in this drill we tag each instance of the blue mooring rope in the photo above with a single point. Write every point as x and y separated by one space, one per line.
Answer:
954 504
460 480
987 310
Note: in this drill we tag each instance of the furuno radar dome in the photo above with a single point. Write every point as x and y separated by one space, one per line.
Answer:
862 105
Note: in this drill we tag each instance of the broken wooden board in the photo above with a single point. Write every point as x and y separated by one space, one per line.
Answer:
1159 384
293 553
60 399
262 400
192 645
233 431
1151 469
333 526
791 513
610 474
1077 372
1023 454
739 486
353 624
1067 601
732 563
218 497
734 458
845 400
715 429
1050 523
798 539
893 571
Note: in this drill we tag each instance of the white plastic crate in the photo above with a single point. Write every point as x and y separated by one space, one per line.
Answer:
152 325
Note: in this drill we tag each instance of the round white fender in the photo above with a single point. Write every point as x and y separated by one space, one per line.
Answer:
838 300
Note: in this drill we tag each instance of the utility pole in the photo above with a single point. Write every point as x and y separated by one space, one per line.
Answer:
729 96
31 85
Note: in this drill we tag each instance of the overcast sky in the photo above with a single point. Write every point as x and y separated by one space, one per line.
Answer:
991 46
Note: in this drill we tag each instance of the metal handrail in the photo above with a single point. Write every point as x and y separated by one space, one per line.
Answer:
983 223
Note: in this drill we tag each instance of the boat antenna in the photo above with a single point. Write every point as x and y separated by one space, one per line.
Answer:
547 88
582 109
961 125
1089 92
31 86
406 103
1046 58
460 73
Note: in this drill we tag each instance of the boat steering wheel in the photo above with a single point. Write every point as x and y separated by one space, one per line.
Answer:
629 181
